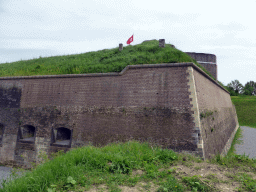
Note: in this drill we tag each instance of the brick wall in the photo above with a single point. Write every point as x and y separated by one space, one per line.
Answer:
204 57
212 68
155 103
137 87
208 61
9 118
217 114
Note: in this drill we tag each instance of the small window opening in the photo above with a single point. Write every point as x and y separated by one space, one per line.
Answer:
1 132
27 133
62 136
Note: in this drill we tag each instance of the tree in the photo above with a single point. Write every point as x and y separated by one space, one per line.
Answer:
250 88
231 91
237 86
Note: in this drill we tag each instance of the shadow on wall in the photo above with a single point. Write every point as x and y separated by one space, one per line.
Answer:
61 137
27 134
1 133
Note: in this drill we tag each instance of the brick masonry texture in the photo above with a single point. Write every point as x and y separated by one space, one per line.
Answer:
204 57
217 115
158 103
208 61
197 129
212 68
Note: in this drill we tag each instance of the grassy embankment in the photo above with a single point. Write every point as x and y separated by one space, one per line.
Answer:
246 110
103 61
133 166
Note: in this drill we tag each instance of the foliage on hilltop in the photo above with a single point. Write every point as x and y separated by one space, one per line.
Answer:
103 61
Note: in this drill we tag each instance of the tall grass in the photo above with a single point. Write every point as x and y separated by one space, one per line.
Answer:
83 166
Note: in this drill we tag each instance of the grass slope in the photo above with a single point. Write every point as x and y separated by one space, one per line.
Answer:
245 109
103 61
119 167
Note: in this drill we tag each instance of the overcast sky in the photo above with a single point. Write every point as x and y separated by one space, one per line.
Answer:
226 28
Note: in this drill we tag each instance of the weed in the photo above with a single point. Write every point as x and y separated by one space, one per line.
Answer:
70 182
52 189
170 185
173 170
206 114
195 184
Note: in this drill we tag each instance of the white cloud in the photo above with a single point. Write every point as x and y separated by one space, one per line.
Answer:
224 28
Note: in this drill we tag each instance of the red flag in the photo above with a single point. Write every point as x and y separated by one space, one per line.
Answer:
130 40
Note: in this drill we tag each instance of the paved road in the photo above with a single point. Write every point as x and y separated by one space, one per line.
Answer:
5 172
248 146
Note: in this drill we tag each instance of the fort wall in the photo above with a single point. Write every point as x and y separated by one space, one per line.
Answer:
217 115
208 61
158 103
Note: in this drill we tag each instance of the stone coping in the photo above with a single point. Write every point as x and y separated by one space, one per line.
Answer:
206 62
200 53
161 65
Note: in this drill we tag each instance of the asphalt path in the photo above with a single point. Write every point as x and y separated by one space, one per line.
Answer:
5 173
247 147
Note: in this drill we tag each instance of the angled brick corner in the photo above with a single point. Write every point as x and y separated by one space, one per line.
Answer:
157 103
196 131
230 140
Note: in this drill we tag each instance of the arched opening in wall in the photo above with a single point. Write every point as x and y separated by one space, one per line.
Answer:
27 133
1 132
62 137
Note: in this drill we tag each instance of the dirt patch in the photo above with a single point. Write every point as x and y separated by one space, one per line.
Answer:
213 175
139 187
98 188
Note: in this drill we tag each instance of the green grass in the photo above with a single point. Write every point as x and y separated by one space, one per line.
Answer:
82 168
245 109
89 165
103 61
